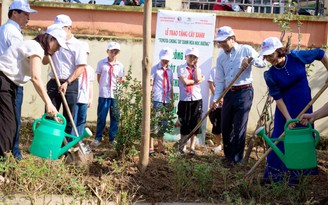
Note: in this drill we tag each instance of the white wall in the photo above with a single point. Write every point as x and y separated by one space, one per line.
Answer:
131 54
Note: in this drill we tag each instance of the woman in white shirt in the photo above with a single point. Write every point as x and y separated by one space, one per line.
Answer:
19 64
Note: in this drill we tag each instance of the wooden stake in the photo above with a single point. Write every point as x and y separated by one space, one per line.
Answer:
146 64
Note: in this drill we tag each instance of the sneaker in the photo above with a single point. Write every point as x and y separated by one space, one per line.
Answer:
18 157
152 153
228 164
217 149
192 152
183 151
95 143
112 143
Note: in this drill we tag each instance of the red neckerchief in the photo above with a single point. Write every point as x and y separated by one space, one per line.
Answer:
190 77
166 84
110 73
85 78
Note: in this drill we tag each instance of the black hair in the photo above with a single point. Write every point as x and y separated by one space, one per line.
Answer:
233 37
282 52
10 12
44 40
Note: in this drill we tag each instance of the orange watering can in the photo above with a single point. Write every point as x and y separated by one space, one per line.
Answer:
49 136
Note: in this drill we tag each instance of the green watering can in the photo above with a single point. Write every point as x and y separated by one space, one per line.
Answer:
299 146
49 136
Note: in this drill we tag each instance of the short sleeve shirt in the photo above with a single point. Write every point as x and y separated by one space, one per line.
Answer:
15 63
10 34
157 75
66 61
211 78
196 90
87 77
106 87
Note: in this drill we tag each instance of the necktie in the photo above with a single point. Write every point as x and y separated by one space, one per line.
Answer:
166 84
190 77
110 73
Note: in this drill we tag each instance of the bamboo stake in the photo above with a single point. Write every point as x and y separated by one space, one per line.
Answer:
259 124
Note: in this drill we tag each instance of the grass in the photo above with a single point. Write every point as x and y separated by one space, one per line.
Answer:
168 178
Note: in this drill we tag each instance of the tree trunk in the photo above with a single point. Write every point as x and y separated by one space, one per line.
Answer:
146 64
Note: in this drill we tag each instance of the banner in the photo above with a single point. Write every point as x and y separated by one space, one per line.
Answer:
179 31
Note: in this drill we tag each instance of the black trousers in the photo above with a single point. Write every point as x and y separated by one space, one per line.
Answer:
8 124
234 118
71 98
190 113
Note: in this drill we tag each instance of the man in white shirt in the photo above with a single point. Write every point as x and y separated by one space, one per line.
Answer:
10 34
238 101
69 65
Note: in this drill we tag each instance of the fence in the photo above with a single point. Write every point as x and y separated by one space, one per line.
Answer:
261 6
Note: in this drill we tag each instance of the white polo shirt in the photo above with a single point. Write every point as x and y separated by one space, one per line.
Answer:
156 75
66 61
84 84
211 78
15 63
10 34
107 88
196 90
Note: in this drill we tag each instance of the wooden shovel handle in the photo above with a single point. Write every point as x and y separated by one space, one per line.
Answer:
64 101
182 142
283 134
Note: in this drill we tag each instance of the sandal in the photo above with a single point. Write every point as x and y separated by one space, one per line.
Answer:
192 152
152 153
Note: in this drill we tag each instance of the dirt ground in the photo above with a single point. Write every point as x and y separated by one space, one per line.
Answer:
157 184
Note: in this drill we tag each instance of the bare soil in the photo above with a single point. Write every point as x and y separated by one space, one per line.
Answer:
158 182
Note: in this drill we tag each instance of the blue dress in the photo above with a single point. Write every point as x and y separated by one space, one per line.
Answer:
290 83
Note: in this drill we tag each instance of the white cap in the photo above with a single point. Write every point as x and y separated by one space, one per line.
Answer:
270 45
59 34
166 54
21 5
63 19
192 51
113 45
85 47
223 33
